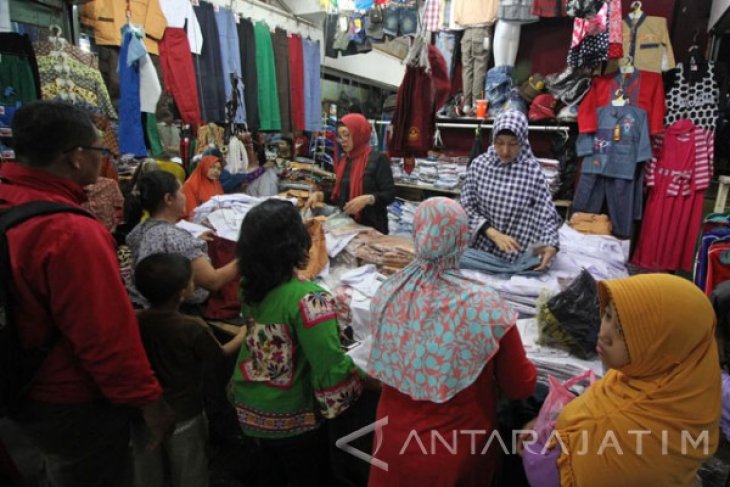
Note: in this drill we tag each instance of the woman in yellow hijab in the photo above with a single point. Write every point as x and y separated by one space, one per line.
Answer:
654 417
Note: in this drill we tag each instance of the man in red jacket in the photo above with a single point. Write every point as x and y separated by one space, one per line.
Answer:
66 276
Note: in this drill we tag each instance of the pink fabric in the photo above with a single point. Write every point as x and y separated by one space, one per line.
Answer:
615 22
589 27
677 178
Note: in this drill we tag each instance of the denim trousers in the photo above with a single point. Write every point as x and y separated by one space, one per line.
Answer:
478 260
498 87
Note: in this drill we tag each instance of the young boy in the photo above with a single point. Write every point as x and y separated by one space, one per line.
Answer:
177 346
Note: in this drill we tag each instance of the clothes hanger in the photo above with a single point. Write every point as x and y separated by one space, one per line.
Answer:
628 65
618 98
636 11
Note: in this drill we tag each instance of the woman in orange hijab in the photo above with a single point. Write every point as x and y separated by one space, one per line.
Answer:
202 184
654 418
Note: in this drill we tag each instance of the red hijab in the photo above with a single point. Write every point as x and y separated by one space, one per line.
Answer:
360 131
198 188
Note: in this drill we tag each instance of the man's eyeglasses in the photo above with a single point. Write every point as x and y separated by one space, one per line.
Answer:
103 150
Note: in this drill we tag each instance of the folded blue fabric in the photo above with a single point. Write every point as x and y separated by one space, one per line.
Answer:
478 260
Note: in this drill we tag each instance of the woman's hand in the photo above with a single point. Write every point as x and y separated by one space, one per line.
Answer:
505 243
355 205
314 198
546 253
207 236
528 435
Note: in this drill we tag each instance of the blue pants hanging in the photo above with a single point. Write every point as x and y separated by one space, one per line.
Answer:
312 88
230 58
131 132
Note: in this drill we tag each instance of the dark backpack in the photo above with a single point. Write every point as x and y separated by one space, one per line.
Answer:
18 365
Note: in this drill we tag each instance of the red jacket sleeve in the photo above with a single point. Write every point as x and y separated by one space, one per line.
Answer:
588 110
657 103
90 306
516 375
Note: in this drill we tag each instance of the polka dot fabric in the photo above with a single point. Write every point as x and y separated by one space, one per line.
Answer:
434 329
592 51
697 101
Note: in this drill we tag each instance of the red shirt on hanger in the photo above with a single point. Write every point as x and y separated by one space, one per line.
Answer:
641 88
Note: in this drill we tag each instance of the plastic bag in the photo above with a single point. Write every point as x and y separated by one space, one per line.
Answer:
559 396
577 310
549 331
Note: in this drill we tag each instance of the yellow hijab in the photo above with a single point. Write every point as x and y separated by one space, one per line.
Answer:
671 384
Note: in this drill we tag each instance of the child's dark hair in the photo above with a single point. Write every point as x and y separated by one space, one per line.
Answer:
161 277
149 194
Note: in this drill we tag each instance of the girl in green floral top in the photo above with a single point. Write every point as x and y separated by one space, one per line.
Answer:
291 372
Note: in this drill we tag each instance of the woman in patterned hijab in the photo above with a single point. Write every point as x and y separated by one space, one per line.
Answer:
507 199
443 345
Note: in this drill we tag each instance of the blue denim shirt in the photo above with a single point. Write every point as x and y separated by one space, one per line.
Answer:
616 158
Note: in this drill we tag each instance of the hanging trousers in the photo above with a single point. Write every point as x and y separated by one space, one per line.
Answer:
296 79
247 48
474 59
178 74
283 86
208 68
268 95
312 87
230 59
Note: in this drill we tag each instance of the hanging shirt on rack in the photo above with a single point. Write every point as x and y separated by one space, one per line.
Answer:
64 77
611 169
45 48
180 13
131 133
621 141
108 17
694 95
647 41
642 89
676 181
472 13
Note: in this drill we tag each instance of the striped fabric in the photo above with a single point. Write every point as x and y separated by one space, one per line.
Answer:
697 174
431 19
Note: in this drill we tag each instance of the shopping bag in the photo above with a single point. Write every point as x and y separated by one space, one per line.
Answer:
558 397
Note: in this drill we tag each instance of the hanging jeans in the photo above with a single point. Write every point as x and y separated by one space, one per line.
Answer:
498 87
208 68
131 133
230 59
446 44
312 88
622 196
477 260
178 74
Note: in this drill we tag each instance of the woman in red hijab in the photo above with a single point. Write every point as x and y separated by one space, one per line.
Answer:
202 184
364 185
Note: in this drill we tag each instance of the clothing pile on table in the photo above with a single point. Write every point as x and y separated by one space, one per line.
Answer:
390 253
225 213
603 256
400 217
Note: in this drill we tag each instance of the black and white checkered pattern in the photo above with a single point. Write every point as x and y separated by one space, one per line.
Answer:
513 198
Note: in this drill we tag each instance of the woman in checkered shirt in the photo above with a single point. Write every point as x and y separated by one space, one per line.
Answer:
506 197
